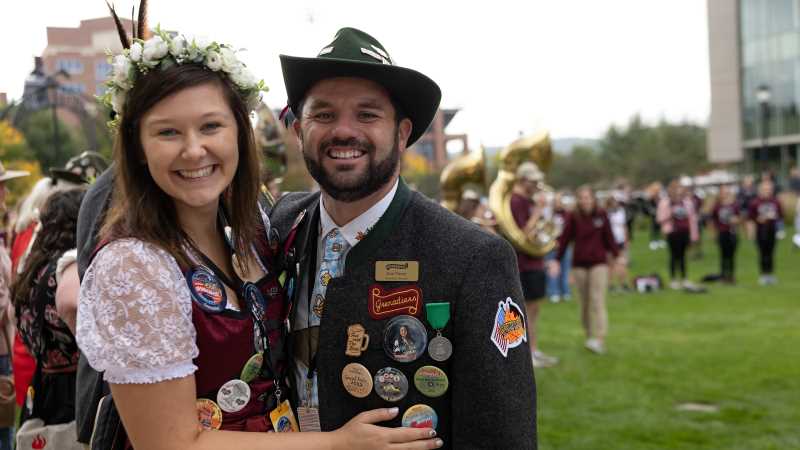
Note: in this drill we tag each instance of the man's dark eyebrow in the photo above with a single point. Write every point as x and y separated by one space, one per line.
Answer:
318 104
370 103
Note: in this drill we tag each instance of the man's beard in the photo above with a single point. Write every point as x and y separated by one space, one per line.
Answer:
376 176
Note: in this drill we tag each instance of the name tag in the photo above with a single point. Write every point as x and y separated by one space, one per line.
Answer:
397 271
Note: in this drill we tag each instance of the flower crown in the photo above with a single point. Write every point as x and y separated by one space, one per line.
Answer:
162 51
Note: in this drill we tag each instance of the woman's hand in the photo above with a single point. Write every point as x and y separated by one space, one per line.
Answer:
361 433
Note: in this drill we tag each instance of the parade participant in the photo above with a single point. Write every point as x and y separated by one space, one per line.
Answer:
618 220
558 286
678 221
471 208
726 215
528 213
588 227
6 324
46 336
379 258
764 213
173 307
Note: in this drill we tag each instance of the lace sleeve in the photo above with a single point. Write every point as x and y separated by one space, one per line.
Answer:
135 315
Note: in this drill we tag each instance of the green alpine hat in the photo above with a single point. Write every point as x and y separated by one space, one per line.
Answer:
354 53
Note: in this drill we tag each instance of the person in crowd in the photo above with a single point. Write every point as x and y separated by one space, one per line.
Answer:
746 192
529 208
376 255
47 337
558 288
764 214
726 217
618 220
794 179
471 208
6 322
698 202
631 208
653 195
172 307
590 231
678 221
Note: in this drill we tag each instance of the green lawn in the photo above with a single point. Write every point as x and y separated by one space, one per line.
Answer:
735 347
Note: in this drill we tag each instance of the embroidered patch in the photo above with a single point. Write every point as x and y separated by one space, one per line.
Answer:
508 330
384 304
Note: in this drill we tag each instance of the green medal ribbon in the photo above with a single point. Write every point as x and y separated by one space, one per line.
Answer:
438 314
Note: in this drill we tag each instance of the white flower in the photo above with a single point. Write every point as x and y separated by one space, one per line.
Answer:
177 46
213 60
118 100
136 52
243 78
154 49
196 48
229 61
121 68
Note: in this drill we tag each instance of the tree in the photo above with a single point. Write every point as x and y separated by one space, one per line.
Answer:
581 166
38 132
17 155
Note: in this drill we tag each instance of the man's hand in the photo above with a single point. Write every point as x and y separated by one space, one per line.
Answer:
553 268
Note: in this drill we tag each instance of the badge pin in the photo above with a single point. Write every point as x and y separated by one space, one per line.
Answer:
309 419
384 304
233 396
252 367
420 416
508 329
208 414
440 348
405 338
391 384
206 290
255 300
431 381
357 340
357 380
397 271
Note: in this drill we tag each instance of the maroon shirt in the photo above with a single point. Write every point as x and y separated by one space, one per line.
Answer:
592 236
680 216
767 209
522 210
723 216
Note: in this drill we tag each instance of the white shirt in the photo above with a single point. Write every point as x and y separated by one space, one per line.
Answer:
353 232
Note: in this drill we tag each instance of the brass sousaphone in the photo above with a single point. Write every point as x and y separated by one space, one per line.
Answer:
466 169
535 148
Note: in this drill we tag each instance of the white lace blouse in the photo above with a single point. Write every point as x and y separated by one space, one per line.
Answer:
135 315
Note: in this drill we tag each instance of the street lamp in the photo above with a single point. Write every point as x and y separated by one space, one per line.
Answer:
763 95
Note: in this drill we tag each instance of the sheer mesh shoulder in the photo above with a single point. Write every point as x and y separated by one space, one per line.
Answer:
135 315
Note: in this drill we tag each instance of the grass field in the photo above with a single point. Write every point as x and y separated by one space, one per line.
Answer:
735 347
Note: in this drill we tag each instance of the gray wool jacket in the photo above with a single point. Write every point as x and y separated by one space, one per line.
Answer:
491 400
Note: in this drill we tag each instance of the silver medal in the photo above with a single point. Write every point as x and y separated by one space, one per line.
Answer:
440 348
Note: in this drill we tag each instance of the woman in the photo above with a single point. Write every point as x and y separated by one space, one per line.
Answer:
725 216
618 219
177 324
765 214
45 335
678 221
558 286
589 229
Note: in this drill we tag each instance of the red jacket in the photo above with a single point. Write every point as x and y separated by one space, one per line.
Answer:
592 236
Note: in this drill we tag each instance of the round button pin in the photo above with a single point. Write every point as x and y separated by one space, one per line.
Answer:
405 338
252 367
420 416
357 380
207 291
431 381
208 414
440 349
391 384
233 396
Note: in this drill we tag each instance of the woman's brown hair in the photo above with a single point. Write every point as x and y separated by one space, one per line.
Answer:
139 208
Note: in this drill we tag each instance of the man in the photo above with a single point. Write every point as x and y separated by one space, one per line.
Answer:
388 277
533 277
765 214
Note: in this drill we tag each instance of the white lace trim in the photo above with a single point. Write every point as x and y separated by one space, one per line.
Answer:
124 375
135 314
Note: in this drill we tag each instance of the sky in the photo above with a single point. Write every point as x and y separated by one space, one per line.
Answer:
572 67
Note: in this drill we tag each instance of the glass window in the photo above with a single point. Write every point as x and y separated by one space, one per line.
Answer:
71 66
73 88
102 70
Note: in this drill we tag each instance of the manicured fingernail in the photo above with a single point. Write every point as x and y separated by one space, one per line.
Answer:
394 410
432 433
439 442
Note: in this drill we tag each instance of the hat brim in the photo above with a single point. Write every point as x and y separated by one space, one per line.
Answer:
66 175
11 174
418 95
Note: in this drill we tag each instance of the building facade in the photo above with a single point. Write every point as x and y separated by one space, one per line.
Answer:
433 144
754 61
